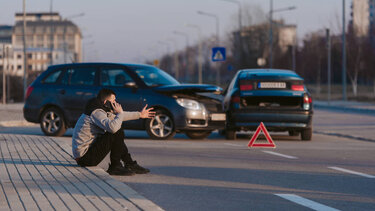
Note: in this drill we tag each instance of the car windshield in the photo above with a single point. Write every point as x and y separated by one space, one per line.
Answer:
154 77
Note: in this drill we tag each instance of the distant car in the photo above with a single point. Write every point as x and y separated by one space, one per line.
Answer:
58 96
278 98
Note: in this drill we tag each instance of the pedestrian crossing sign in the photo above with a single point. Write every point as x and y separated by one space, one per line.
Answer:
218 54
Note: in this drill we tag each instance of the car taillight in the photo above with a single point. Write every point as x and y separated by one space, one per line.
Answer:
307 100
28 91
298 88
246 87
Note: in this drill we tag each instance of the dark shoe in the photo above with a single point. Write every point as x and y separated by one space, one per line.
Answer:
134 167
119 170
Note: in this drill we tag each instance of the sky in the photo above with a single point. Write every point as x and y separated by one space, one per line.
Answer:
130 30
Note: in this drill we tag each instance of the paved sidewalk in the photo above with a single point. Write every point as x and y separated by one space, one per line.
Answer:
38 173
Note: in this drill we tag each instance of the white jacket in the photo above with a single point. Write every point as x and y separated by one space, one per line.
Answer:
88 128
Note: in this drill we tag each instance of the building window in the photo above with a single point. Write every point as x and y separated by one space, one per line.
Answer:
19 56
19 67
29 56
29 67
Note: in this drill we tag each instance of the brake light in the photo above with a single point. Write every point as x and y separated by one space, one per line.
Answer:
307 99
298 88
28 91
246 87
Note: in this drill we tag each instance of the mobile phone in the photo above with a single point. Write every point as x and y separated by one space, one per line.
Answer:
108 104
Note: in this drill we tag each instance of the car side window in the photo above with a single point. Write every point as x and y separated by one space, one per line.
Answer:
52 78
79 76
114 77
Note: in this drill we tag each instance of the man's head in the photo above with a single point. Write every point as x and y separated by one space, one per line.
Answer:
106 94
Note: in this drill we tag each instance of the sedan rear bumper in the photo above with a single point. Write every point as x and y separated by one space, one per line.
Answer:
273 121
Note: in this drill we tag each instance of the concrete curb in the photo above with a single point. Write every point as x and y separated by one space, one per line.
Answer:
345 108
138 200
344 136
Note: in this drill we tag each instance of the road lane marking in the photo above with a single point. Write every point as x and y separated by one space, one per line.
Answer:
306 202
279 154
352 172
236 145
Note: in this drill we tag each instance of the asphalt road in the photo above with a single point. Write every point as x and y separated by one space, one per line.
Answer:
327 173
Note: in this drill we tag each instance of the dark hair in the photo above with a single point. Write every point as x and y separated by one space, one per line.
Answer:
104 94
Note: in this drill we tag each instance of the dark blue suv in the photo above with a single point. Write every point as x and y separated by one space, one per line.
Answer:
58 96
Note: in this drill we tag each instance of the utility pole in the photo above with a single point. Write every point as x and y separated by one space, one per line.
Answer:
24 50
343 53
52 33
271 34
4 81
328 65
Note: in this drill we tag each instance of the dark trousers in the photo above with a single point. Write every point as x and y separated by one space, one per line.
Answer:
103 144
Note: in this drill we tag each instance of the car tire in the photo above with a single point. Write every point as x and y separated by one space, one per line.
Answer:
230 135
293 133
306 134
52 122
198 134
161 127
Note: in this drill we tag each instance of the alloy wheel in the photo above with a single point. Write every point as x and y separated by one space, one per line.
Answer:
51 122
161 126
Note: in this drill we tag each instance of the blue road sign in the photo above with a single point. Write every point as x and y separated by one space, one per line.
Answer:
218 54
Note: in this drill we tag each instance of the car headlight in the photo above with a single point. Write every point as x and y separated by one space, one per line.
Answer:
189 104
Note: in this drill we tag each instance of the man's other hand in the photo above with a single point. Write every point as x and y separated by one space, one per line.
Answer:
117 108
147 113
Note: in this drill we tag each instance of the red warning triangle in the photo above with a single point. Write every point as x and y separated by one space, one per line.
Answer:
270 143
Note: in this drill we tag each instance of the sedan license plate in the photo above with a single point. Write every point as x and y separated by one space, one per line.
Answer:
218 117
272 85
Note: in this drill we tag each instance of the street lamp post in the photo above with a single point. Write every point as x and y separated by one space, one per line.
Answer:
200 57
52 33
4 91
24 50
343 53
217 24
271 30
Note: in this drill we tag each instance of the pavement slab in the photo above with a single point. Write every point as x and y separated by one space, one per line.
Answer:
39 173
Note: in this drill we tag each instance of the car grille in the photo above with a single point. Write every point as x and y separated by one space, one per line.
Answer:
271 102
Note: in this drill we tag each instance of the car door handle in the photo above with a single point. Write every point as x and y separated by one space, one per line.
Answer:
62 91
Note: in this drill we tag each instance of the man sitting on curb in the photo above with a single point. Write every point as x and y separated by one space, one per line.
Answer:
98 132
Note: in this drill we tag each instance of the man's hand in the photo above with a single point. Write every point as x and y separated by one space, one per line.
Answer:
147 113
117 108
